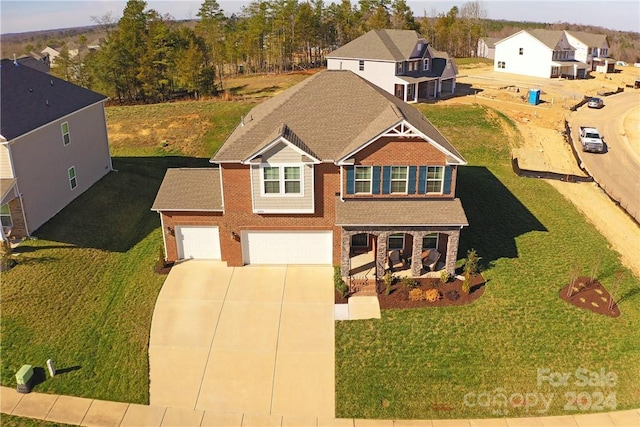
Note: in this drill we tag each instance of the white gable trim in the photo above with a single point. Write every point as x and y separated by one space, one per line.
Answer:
402 129
278 140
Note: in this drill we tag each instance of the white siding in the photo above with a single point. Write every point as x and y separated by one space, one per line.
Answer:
535 60
381 74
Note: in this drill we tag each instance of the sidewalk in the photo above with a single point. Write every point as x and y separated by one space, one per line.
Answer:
99 413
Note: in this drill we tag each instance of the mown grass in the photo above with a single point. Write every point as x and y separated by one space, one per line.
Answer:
13 421
83 293
422 363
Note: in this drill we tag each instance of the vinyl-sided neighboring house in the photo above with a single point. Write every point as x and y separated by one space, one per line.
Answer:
330 168
487 47
592 49
400 62
53 146
539 53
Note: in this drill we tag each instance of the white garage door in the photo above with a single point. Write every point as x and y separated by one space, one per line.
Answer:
287 247
198 242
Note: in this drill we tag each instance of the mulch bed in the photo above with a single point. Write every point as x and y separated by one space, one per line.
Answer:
590 295
163 269
451 293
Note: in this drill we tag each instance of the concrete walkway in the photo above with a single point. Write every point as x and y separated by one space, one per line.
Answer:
252 340
97 413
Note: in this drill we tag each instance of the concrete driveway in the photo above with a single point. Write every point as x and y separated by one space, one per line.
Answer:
253 340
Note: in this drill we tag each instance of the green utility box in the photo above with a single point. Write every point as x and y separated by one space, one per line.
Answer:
23 378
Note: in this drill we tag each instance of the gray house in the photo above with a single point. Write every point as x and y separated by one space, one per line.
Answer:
53 146
401 62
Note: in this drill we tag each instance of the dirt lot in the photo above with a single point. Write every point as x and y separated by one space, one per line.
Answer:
543 147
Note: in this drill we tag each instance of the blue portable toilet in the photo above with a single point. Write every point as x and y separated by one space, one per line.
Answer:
534 96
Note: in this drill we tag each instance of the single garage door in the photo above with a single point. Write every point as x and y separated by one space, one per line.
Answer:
198 242
287 247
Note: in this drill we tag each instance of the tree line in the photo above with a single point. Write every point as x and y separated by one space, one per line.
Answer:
150 57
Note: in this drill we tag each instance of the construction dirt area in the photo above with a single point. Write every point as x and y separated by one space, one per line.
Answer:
543 146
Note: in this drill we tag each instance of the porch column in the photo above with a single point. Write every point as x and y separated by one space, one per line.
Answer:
435 88
415 92
416 254
381 254
345 263
453 85
452 251
404 95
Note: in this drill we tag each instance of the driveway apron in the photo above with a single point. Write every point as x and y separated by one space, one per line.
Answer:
253 340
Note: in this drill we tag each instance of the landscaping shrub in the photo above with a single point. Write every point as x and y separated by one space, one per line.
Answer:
416 295
408 283
432 295
339 283
452 295
388 281
466 285
444 276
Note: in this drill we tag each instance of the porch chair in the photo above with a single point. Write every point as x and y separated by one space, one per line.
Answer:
395 260
431 259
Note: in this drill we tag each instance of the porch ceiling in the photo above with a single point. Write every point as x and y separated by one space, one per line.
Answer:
400 212
6 185
410 79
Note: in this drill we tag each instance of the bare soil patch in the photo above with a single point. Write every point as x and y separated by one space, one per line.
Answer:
590 295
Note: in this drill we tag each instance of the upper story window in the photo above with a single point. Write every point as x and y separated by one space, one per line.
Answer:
399 68
435 179
604 52
282 180
363 179
399 177
413 65
501 64
361 65
425 64
521 51
5 216
65 133
73 181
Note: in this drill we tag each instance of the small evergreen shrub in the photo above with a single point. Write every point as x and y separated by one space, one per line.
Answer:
432 295
388 281
409 283
339 283
444 277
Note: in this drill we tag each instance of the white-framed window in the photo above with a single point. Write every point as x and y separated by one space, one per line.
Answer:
399 68
430 241
361 65
501 64
521 51
425 64
73 180
435 179
414 65
363 179
66 139
5 216
282 180
360 240
399 175
395 241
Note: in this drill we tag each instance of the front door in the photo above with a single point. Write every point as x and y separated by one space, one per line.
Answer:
399 91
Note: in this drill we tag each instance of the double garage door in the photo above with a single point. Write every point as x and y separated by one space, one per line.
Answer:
287 247
259 247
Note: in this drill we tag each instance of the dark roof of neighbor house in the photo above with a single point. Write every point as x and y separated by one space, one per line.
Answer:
401 212
333 114
591 40
383 45
190 189
31 99
41 65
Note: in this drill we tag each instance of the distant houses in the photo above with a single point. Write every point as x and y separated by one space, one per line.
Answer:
553 53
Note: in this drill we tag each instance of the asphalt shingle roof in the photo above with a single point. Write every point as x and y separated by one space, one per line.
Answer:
591 40
190 189
383 45
400 212
332 114
31 99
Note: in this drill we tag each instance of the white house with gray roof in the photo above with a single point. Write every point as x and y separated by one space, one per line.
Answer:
552 53
400 62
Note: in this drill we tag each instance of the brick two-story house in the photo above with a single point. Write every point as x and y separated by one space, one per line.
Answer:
330 167
400 62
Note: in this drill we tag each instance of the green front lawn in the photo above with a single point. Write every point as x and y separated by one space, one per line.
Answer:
462 362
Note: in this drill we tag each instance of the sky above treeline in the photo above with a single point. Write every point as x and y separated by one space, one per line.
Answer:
17 16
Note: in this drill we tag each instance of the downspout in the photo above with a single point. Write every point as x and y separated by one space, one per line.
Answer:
341 183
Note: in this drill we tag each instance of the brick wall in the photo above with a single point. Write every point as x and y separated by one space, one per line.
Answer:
238 214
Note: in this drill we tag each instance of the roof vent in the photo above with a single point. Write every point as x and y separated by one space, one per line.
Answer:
30 90
46 102
15 61
51 82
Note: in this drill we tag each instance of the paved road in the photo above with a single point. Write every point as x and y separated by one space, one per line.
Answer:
618 169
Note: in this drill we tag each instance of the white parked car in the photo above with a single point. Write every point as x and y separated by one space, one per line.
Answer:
637 64
622 63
